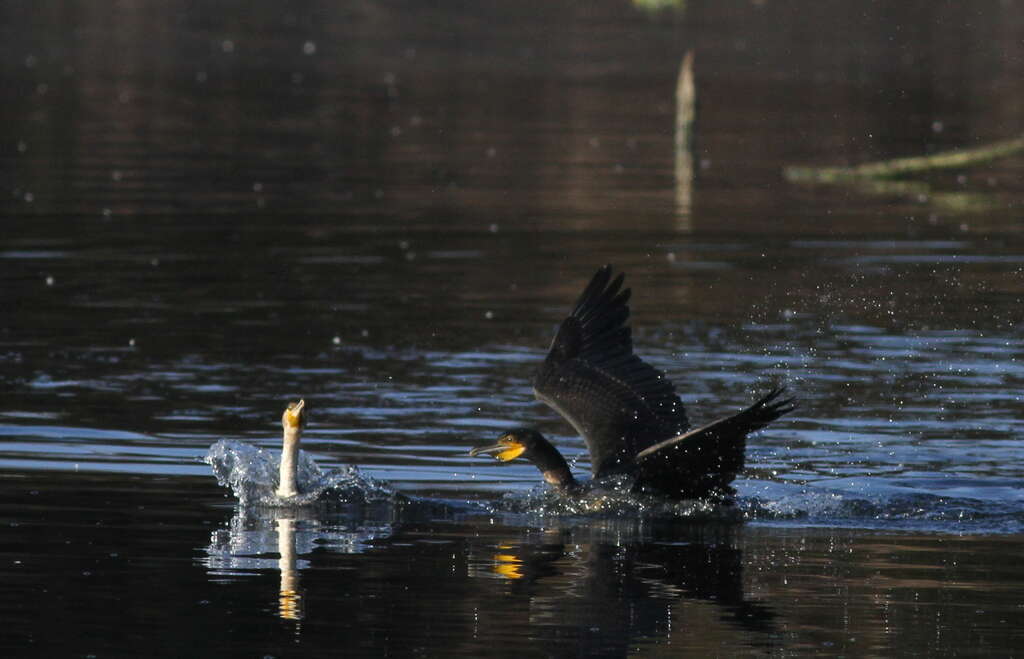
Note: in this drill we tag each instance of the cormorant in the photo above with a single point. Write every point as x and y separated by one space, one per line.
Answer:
293 420
257 476
628 412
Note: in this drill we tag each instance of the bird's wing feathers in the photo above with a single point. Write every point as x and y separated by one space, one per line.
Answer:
707 458
616 401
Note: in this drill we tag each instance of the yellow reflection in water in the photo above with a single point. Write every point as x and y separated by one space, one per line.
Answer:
508 565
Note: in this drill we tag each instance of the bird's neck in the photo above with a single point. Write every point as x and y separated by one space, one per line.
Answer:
289 458
554 468
560 478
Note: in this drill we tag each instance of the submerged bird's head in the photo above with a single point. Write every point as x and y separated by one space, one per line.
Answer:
294 417
529 444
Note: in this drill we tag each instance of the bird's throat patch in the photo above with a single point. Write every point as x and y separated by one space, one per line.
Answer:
511 453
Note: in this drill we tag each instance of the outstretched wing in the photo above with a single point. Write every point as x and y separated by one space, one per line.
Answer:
618 403
705 460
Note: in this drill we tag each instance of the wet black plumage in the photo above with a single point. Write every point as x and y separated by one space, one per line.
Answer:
628 412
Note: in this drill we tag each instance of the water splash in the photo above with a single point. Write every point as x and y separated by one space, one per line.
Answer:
873 505
876 508
612 498
252 474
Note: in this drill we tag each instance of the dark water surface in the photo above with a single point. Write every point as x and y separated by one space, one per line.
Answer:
386 208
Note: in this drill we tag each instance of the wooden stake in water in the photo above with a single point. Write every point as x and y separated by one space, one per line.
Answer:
686 116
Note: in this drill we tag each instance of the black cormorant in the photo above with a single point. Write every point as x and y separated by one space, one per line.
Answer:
628 412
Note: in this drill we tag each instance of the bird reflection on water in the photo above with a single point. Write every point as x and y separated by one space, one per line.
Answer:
253 535
621 584
602 587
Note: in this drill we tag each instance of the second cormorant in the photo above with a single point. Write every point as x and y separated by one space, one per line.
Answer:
628 412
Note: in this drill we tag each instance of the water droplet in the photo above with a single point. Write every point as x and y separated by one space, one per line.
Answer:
50 280
309 48
336 340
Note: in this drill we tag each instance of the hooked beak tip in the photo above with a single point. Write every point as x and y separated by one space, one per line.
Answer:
486 449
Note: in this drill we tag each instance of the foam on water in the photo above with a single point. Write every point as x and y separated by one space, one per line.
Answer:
612 498
872 505
877 507
252 474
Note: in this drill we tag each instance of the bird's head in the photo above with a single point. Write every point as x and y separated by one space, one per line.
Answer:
294 417
529 444
521 442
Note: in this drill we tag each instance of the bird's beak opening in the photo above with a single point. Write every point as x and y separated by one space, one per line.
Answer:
295 415
506 449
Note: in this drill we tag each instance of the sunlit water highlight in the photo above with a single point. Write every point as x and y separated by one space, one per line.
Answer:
934 448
